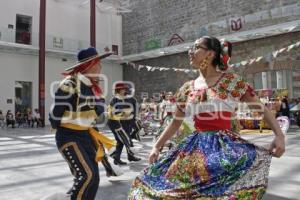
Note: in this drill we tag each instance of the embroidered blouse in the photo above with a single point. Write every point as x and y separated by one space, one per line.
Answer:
212 107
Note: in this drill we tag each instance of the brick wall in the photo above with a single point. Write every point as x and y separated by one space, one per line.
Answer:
152 24
157 81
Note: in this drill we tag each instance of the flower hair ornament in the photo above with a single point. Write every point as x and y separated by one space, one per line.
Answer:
225 58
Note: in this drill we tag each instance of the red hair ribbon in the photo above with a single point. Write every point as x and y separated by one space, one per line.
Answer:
225 58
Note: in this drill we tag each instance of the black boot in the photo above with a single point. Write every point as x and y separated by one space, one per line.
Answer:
110 173
131 157
119 162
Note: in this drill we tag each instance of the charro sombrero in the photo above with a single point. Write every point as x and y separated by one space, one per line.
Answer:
121 85
86 55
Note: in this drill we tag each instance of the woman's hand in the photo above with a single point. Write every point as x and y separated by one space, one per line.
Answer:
153 155
277 147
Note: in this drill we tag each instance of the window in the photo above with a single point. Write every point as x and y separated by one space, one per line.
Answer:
115 49
23 29
58 42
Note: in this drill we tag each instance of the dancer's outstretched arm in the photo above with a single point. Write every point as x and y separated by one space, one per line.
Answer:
167 134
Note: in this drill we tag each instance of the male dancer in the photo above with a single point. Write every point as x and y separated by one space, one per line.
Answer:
120 112
78 103
134 122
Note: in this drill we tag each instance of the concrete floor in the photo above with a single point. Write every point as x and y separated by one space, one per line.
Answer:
32 168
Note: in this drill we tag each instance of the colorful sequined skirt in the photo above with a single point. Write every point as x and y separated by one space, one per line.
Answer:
206 166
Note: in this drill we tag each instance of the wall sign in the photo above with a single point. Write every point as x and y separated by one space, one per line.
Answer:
152 44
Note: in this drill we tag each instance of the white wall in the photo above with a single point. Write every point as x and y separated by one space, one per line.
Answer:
9 9
18 67
64 19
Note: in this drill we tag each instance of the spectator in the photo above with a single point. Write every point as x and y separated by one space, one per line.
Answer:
10 119
284 108
36 118
277 105
19 119
28 117
2 119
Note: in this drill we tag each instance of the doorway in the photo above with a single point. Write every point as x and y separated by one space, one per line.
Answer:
23 96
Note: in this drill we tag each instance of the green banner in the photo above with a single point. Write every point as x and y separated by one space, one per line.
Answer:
152 44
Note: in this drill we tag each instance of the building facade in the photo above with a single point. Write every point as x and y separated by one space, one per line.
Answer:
155 34
67 31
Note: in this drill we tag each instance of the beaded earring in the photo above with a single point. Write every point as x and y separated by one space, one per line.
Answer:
204 64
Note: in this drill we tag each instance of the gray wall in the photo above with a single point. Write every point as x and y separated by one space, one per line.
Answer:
151 24
153 82
158 81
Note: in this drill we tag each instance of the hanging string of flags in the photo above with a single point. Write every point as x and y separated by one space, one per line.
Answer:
268 57
152 69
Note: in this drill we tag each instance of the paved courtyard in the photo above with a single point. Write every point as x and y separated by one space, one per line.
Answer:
32 168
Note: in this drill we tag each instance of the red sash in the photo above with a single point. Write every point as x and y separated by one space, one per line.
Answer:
213 121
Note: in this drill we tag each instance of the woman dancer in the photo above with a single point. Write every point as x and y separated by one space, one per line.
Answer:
213 162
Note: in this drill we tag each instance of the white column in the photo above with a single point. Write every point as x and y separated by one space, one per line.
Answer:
284 79
289 82
269 79
264 80
279 79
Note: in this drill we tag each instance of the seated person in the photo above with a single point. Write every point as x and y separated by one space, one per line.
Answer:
28 118
2 119
19 118
10 119
37 118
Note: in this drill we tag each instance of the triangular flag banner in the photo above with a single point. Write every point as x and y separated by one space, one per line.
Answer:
133 65
275 53
148 68
281 50
244 63
237 65
259 59
140 67
291 47
251 61
268 57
